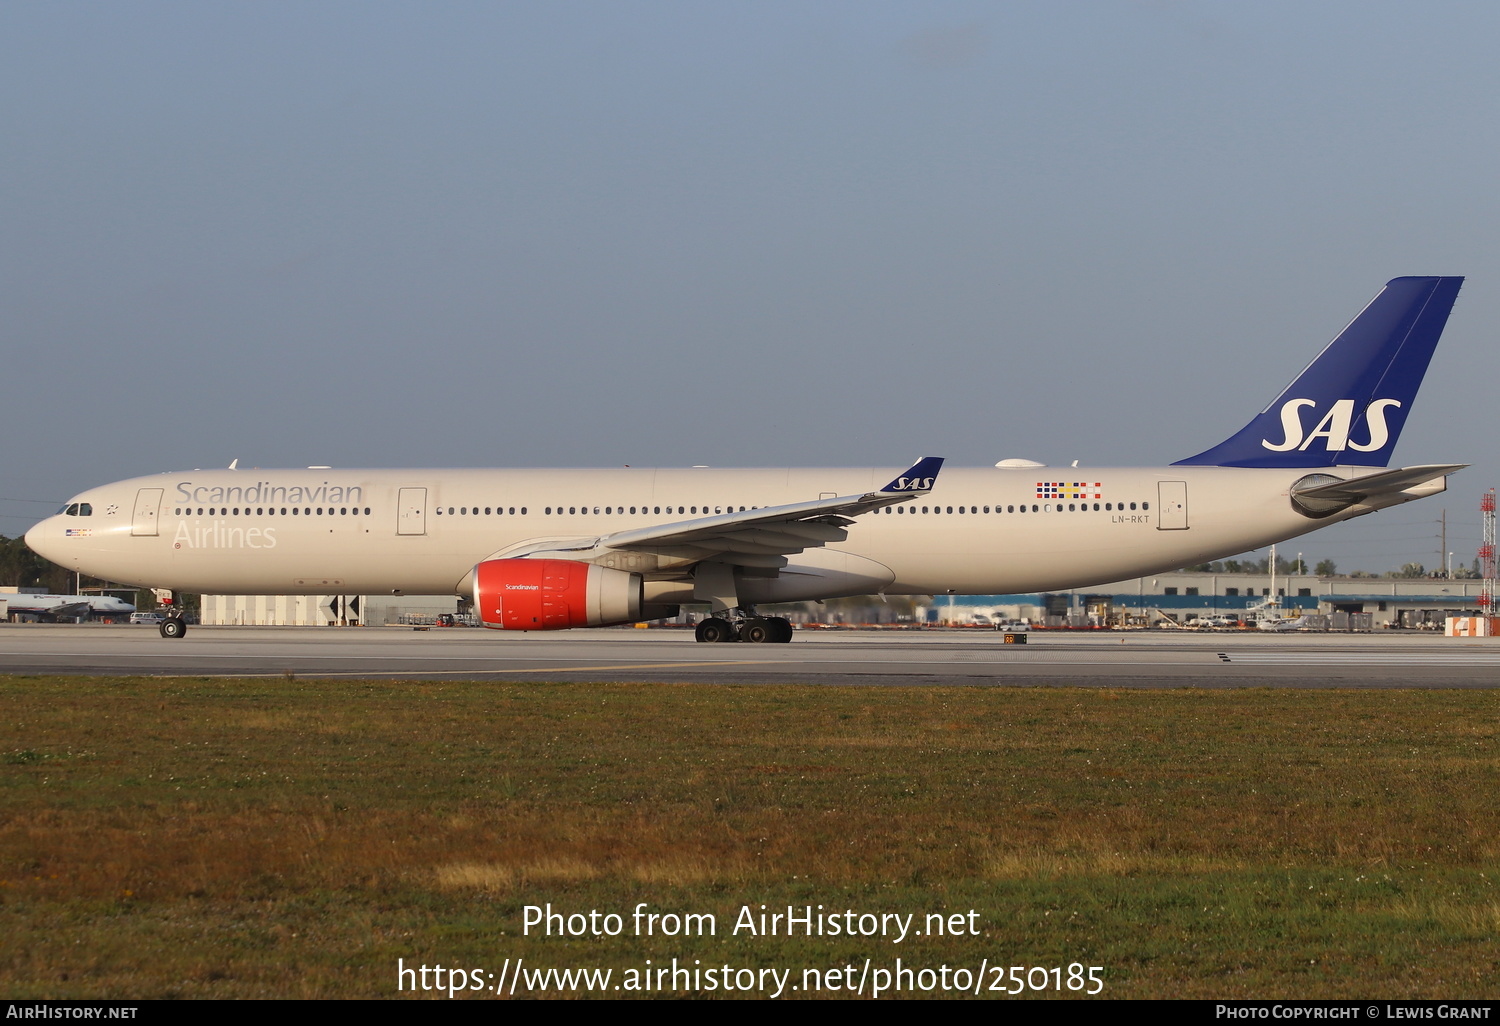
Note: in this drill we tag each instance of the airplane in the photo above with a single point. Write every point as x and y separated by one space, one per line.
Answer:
539 549
55 608
1287 623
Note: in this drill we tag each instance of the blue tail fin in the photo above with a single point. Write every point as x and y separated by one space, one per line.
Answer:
1350 403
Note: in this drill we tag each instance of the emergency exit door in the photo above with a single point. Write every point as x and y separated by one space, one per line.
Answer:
1171 506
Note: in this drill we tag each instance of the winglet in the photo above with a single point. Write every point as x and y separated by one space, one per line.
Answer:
918 480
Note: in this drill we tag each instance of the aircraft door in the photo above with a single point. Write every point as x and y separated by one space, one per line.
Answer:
147 506
411 511
1171 506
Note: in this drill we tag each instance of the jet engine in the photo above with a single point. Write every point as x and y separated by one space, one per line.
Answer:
553 594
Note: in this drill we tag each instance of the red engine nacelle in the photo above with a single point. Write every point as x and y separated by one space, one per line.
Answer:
553 594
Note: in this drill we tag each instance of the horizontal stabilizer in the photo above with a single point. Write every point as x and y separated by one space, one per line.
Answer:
1386 483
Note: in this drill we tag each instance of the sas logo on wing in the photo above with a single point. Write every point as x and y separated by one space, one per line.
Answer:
912 484
1067 490
1334 426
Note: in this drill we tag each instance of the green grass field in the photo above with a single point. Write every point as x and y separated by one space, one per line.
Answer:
286 837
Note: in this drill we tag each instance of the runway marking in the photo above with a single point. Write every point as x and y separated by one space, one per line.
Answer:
1369 658
517 669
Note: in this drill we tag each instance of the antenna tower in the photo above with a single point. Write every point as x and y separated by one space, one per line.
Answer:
1487 556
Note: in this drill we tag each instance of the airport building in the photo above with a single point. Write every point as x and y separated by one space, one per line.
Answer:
323 610
1419 602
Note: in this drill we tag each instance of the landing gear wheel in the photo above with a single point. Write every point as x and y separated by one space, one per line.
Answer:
173 627
781 629
757 630
715 629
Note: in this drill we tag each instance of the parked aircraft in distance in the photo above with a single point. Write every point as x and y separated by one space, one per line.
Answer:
53 608
550 549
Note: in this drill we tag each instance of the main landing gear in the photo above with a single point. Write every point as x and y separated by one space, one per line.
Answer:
732 620
756 629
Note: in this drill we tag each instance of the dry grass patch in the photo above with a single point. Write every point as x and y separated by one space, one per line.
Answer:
233 828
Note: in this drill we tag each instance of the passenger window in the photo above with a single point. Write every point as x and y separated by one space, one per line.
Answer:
1145 505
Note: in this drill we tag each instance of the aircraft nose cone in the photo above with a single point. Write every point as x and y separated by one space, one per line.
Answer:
41 539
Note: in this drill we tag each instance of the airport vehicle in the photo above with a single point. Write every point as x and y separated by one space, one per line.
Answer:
1216 621
154 619
59 608
553 549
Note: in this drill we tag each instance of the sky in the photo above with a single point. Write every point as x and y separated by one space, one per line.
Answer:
734 234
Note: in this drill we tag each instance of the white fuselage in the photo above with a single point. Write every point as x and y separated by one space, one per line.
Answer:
980 531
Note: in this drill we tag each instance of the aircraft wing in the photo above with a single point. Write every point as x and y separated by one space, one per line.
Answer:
68 609
1387 482
754 538
759 537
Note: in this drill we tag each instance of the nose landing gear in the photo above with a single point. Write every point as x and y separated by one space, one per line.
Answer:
174 626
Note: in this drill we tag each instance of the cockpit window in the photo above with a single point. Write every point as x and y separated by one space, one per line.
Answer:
71 509
85 509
